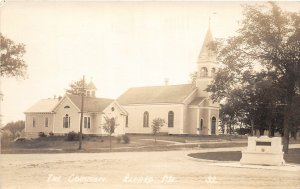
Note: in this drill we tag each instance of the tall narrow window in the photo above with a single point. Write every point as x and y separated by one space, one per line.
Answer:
201 124
33 122
126 121
171 119
87 122
46 121
66 121
146 119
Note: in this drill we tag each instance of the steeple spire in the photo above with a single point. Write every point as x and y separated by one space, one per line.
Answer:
206 52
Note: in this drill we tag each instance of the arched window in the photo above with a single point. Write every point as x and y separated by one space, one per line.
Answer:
213 125
203 72
171 119
201 124
67 107
66 121
213 72
146 119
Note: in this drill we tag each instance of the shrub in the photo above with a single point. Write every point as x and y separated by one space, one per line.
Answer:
42 134
72 136
51 134
126 139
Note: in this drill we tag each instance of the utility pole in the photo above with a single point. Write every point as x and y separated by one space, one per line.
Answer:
81 113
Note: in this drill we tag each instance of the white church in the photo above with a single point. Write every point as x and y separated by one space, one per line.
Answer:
186 108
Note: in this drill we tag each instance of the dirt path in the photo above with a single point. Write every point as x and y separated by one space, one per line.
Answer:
145 170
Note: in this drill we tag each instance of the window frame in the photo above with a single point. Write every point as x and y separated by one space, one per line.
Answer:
146 119
46 122
66 119
171 121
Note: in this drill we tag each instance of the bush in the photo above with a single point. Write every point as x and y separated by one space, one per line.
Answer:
51 134
42 134
73 136
126 139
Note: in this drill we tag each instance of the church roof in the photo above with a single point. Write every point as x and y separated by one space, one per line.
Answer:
197 101
91 104
156 94
43 106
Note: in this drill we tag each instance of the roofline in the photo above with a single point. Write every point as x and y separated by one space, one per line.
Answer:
59 103
180 103
39 112
191 93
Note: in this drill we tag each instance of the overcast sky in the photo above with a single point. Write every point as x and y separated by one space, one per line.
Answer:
116 44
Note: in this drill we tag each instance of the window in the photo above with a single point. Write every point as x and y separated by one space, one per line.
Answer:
201 124
146 119
33 122
203 72
66 121
87 122
171 119
46 122
67 107
126 121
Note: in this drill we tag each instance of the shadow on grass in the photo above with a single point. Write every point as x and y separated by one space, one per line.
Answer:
292 157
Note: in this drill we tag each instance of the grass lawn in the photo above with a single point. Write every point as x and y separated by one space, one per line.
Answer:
138 142
292 157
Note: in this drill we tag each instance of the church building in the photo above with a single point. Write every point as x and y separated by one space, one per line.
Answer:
186 108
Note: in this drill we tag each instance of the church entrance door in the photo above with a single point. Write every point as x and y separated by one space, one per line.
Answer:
213 125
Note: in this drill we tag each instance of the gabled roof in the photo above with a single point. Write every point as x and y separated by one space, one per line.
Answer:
156 94
91 104
43 106
197 101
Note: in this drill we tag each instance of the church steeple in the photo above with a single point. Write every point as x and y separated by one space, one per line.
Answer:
207 65
206 52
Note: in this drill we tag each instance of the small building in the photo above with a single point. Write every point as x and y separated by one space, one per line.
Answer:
60 116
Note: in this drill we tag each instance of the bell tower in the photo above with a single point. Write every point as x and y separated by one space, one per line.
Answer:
207 65
91 90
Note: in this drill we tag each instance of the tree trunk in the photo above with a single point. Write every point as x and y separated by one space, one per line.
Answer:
252 127
110 142
287 114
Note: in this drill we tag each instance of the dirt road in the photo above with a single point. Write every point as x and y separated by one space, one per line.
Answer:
138 170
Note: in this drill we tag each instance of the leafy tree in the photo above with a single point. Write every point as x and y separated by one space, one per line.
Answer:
11 62
267 47
157 123
109 127
15 127
75 87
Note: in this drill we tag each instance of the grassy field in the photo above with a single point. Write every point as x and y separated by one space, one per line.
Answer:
292 157
138 142
59 144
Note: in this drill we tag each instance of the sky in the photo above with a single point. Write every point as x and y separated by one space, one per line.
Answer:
117 45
